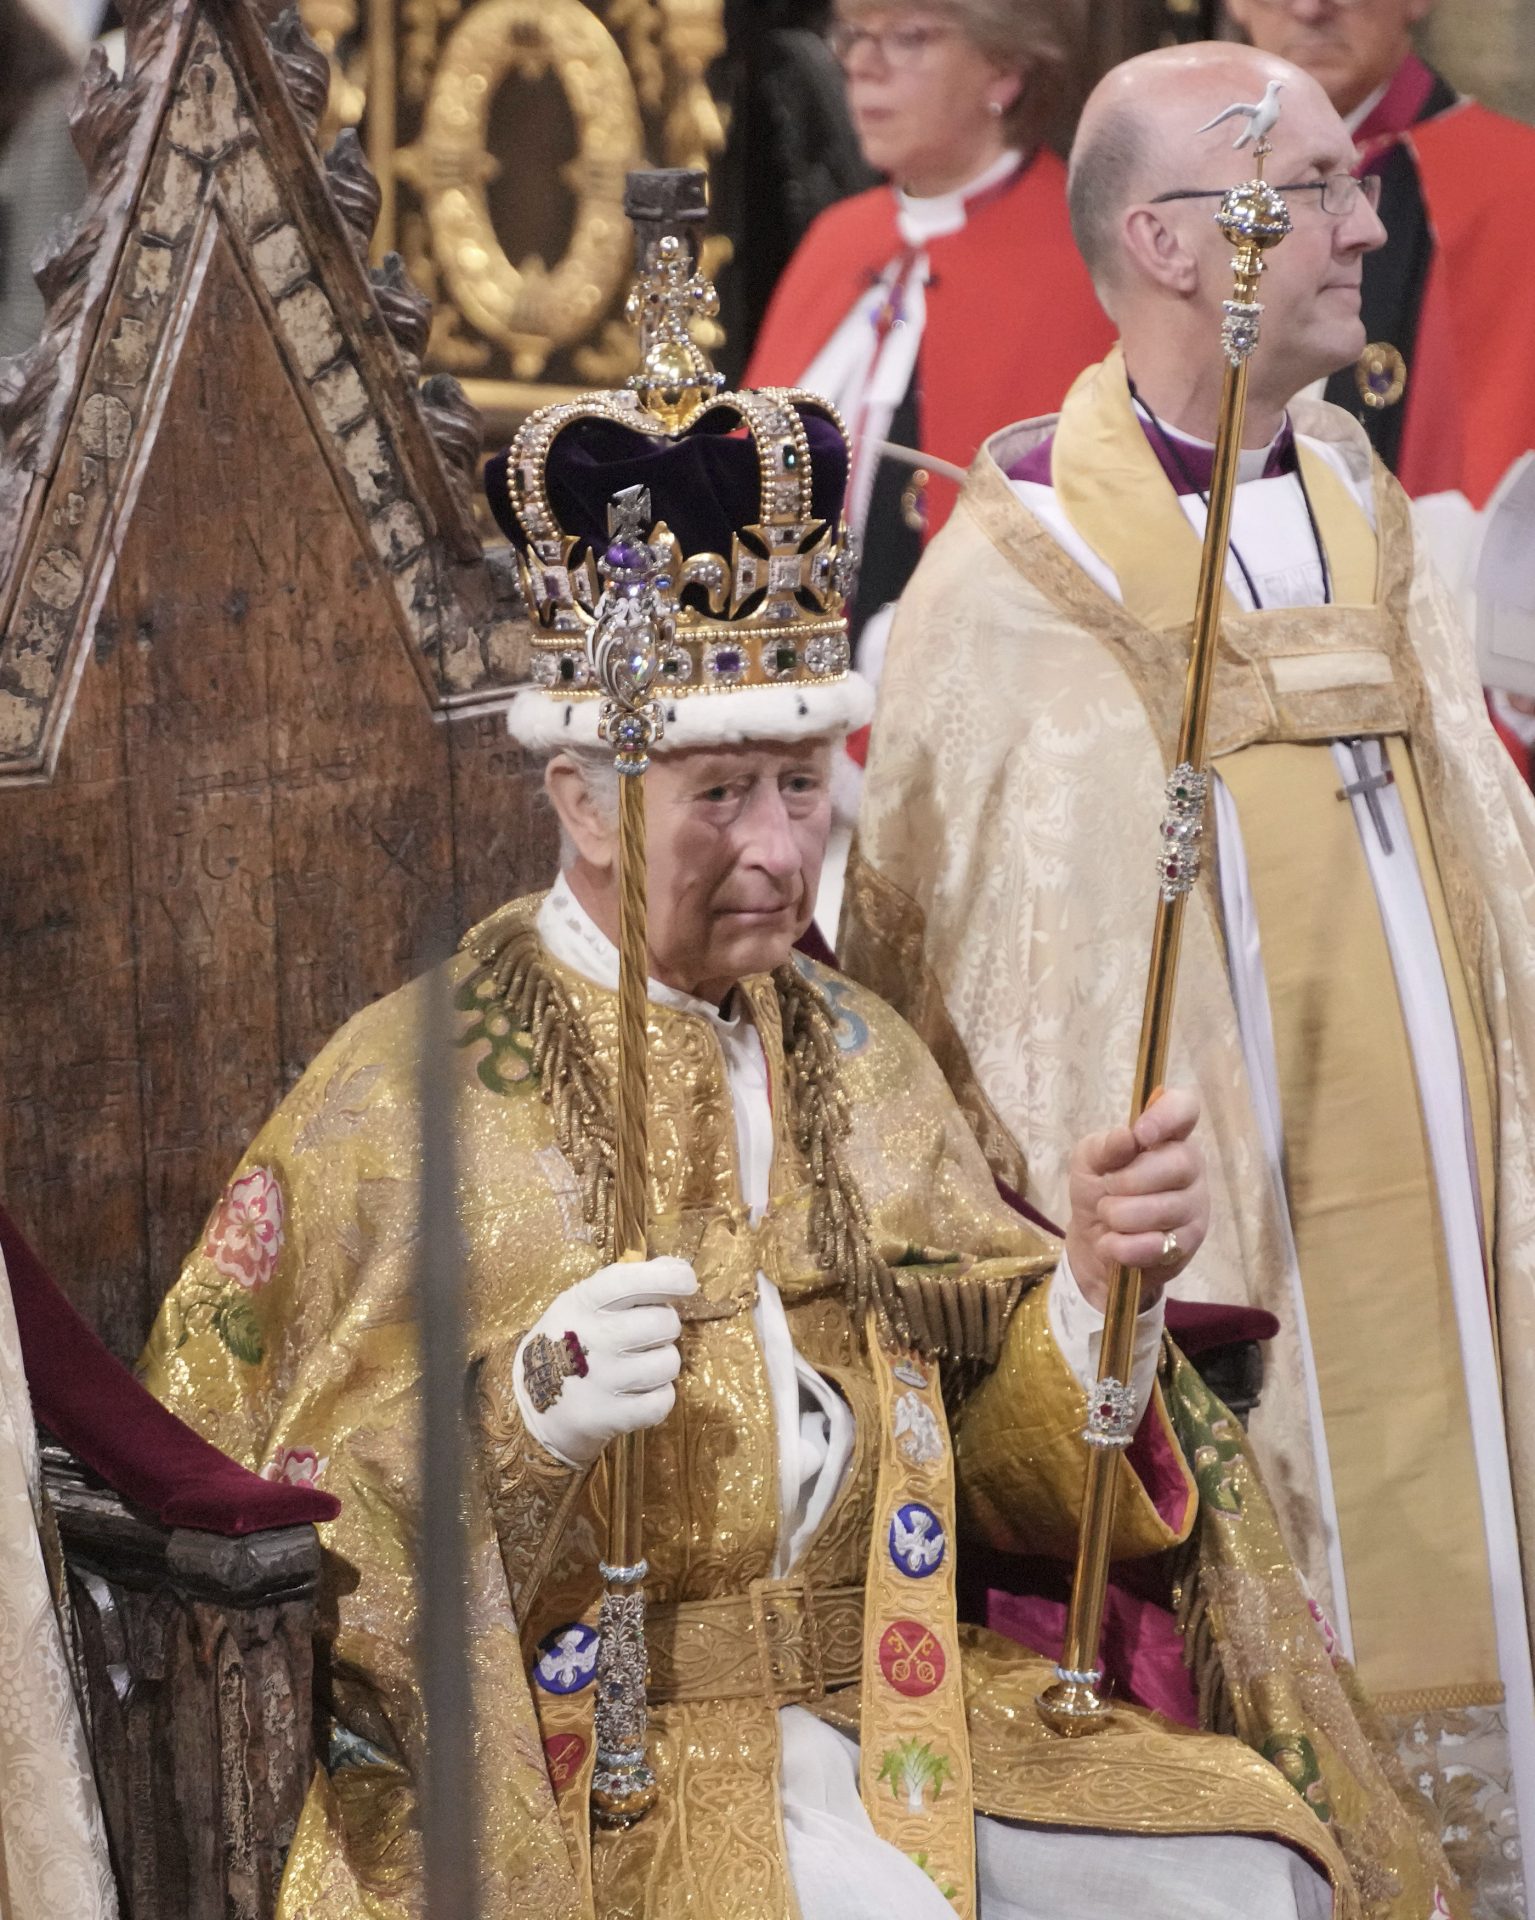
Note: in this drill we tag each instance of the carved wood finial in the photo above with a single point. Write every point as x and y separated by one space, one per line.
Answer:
26 386
456 425
407 312
353 186
102 116
302 65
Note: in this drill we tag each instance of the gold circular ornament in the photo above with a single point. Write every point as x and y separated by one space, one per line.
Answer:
1380 373
532 309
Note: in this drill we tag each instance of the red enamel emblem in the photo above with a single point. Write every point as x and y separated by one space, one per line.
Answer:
563 1753
911 1659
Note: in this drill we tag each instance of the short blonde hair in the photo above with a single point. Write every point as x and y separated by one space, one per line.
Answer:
1035 38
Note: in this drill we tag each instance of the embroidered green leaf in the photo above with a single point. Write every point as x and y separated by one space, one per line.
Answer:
945 1887
235 1323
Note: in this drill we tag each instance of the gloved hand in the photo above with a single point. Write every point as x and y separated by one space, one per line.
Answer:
628 1330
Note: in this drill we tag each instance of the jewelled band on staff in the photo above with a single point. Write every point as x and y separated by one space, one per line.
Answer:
1183 827
547 1364
1111 1417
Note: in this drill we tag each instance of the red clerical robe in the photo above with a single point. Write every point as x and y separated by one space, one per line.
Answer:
1011 314
1447 300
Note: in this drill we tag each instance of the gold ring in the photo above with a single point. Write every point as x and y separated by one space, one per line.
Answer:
1169 1250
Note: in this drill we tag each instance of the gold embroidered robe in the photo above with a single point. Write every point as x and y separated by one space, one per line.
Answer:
1001 896
288 1341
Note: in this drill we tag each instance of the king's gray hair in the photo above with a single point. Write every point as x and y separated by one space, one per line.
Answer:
601 776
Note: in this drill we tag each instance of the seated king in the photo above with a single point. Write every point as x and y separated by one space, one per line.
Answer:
855 1365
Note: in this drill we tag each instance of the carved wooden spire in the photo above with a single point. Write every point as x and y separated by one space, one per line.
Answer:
354 187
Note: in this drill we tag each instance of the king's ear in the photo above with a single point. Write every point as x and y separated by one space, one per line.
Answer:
589 825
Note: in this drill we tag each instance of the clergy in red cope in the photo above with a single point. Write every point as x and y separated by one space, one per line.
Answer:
1445 387
932 310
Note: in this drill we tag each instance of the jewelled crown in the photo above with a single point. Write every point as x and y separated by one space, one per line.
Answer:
745 496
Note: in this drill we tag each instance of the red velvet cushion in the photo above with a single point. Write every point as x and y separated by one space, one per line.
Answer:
91 1402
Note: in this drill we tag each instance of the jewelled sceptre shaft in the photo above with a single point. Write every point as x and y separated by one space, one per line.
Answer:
1253 217
627 636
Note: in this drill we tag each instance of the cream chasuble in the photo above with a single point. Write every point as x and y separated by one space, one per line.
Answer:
993 875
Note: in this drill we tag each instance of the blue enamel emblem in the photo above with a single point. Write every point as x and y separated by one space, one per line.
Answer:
917 1540
567 1659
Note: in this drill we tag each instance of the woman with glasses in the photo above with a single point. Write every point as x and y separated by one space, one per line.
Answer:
936 308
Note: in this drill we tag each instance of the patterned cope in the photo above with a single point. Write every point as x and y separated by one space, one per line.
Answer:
318 1370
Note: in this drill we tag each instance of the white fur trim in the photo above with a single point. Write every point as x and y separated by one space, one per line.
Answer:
543 723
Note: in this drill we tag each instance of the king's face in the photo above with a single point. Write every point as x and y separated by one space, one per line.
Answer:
736 837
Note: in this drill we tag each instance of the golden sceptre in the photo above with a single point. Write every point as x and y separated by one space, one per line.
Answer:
1253 217
628 633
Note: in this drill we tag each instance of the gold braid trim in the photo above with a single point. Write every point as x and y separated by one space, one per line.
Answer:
839 1223
1201 1647
565 1061
955 1317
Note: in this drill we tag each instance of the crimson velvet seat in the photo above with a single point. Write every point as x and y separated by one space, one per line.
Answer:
192 1585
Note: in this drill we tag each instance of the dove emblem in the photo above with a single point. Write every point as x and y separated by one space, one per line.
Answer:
917 1540
1262 116
567 1659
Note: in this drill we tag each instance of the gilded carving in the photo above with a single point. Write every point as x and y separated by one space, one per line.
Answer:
527 314
529 308
333 25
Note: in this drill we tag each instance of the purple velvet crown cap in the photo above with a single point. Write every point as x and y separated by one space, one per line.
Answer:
705 484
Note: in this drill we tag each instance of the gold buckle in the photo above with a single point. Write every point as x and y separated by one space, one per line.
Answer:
788 1640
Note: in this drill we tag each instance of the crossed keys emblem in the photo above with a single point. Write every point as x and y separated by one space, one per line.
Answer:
911 1658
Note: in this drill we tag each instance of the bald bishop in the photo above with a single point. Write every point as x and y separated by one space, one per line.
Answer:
1357 1005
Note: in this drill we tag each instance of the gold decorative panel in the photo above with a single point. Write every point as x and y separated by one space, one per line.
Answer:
501 131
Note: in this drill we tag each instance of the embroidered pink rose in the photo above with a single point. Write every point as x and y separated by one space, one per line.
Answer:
245 1236
296 1467
1326 1629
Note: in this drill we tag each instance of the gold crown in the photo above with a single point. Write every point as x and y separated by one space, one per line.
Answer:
772 610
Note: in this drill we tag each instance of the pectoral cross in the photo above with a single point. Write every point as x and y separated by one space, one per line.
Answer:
1369 786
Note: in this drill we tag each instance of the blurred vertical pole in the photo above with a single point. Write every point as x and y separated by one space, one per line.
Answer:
448 1799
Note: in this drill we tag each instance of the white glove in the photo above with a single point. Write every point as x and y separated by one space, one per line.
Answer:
623 1317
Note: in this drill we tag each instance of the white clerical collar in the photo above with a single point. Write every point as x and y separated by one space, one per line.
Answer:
572 937
934 215
1252 462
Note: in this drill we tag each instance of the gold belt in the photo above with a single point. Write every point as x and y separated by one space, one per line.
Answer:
781 1640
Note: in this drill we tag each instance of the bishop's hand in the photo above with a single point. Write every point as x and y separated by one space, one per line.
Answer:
603 1357
1139 1199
